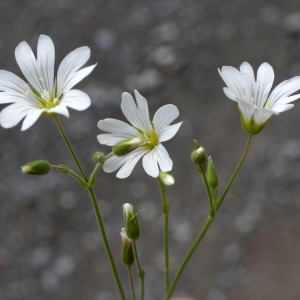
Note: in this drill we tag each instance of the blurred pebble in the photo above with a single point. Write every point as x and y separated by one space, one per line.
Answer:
91 241
138 189
104 295
231 253
291 149
139 15
148 80
49 280
63 266
226 31
105 40
67 200
182 232
248 27
148 211
167 32
291 23
163 56
102 96
270 14
216 295
40 257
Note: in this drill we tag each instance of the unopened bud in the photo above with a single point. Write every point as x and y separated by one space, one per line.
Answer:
199 158
166 178
127 248
131 222
126 146
99 157
211 174
37 167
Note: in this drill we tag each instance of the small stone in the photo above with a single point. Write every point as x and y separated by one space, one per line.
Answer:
105 40
148 80
270 14
291 23
63 266
167 32
163 56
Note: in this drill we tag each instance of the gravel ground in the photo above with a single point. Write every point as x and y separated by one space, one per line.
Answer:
169 51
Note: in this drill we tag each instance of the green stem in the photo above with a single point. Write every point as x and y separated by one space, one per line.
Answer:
141 272
190 253
235 172
96 210
105 241
61 130
131 283
65 169
210 218
211 202
165 208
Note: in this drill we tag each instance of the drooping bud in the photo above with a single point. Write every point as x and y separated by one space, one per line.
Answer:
99 157
199 158
127 248
131 222
211 174
37 167
126 146
166 178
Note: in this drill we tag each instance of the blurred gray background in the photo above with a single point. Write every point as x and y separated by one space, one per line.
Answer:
50 247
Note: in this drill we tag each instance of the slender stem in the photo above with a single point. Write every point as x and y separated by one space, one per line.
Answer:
211 203
141 272
96 210
235 172
210 218
131 283
65 169
190 253
165 208
61 130
105 241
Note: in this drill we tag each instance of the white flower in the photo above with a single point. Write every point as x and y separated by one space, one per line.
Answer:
256 104
151 136
43 93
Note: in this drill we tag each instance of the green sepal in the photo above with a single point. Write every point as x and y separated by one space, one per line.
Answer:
131 222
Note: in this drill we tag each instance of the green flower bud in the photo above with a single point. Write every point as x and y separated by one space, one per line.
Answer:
127 249
199 158
37 167
131 222
166 178
211 175
126 146
251 126
99 157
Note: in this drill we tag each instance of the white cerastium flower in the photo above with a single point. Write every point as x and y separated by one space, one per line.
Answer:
42 93
149 136
256 103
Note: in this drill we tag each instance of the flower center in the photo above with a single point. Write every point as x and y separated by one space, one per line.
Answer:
150 139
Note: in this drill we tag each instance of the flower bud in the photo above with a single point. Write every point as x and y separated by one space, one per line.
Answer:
126 146
127 248
99 157
199 158
166 178
37 167
131 222
211 175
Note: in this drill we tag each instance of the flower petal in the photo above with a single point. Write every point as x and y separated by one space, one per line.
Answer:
108 139
164 160
143 110
9 82
70 65
11 115
45 62
248 75
265 78
284 89
31 118
150 163
117 127
60 109
28 65
77 100
168 132
114 163
130 163
164 116
132 112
